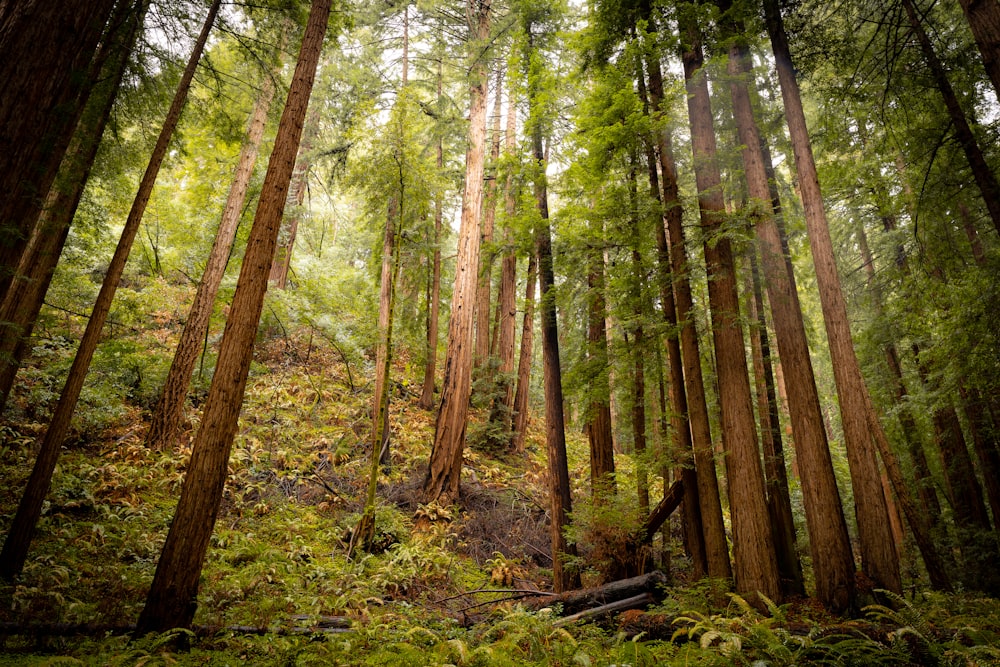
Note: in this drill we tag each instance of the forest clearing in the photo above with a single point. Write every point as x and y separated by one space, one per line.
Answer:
520 333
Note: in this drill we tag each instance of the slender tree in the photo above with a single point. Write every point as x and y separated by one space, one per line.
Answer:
426 400
172 597
170 408
555 428
521 406
487 254
689 396
879 557
15 548
445 466
599 434
984 177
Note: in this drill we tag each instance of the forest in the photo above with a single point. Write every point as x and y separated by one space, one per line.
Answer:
500 332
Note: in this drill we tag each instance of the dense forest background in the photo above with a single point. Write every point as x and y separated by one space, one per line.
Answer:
369 333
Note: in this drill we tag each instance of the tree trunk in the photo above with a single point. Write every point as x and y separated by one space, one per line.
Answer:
482 352
15 548
297 192
755 568
445 466
981 172
522 405
169 410
555 428
984 20
684 356
172 597
779 503
47 66
879 558
984 441
599 434
433 302
24 299
638 295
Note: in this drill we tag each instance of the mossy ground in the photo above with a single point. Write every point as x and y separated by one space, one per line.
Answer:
277 557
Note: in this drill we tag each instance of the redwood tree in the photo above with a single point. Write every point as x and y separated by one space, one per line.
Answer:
170 408
172 597
445 466
755 567
15 548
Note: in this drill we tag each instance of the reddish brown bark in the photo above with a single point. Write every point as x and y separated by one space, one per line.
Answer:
599 434
879 558
755 566
23 300
47 52
445 467
172 596
984 21
684 357
170 408
15 548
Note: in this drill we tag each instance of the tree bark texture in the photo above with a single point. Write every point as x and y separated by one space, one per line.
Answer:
15 548
172 597
522 403
169 410
779 503
487 254
555 427
445 467
691 404
984 21
599 434
879 558
507 294
47 52
23 300
434 297
755 566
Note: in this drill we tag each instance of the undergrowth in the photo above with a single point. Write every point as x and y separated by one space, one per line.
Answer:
444 584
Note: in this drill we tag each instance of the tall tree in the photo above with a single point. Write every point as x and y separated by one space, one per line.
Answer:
755 567
482 352
170 408
521 406
599 434
684 356
172 597
48 66
15 548
445 466
500 415
984 20
426 400
555 427
879 558
23 301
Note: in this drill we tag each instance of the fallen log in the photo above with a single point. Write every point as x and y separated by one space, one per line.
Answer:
635 602
578 600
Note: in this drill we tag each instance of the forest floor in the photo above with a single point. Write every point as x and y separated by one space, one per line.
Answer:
445 585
